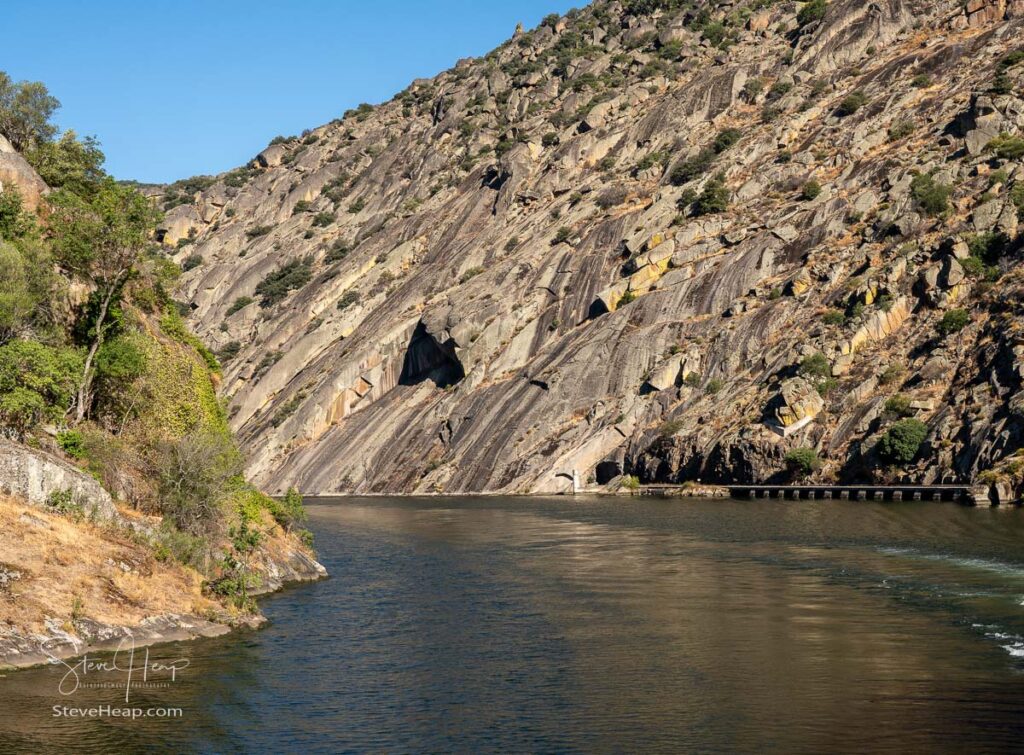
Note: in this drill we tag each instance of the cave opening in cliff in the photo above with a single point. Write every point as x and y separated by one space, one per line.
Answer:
426 359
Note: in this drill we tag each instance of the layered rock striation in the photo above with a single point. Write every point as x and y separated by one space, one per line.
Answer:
609 245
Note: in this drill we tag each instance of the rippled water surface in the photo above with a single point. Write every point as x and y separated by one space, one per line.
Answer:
599 625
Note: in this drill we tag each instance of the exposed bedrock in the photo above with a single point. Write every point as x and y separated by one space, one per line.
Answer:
667 244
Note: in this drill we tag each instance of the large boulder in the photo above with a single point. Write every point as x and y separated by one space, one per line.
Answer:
800 401
36 477
16 173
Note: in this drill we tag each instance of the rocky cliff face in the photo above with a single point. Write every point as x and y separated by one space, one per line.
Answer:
609 245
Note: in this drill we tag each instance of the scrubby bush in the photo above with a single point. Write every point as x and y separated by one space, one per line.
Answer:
72 443
1007 147
834 317
195 474
257 231
802 461
900 130
893 373
811 190
229 351
347 299
323 219
898 406
287 278
713 386
902 442
191 262
954 321
714 198
470 274
611 197
239 304
338 251
811 11
670 428
693 168
726 139
815 366
931 196
562 235
851 104
290 510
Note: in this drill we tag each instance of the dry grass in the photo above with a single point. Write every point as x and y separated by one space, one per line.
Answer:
70 567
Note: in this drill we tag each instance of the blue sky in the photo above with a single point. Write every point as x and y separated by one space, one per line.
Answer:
174 89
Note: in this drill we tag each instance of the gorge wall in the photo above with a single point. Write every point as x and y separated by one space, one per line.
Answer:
627 241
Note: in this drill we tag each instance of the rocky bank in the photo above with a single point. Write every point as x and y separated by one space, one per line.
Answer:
72 584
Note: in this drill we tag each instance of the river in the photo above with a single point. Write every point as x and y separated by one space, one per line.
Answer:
596 625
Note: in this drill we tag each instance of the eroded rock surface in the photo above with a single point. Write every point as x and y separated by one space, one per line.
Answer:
513 270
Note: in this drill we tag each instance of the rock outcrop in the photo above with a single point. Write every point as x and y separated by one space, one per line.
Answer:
16 173
41 479
629 220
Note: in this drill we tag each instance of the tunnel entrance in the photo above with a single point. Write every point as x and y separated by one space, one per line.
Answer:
426 359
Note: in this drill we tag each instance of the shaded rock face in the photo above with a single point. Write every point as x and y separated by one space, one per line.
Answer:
515 271
36 477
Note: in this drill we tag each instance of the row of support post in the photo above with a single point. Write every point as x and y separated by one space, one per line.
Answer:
862 494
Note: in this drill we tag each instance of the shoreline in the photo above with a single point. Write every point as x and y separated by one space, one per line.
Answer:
20 652
973 495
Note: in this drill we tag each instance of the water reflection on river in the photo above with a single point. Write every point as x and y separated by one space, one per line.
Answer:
602 625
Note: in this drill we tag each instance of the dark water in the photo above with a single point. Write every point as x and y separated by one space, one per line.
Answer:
601 625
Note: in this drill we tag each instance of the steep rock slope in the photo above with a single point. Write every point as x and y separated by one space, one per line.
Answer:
610 245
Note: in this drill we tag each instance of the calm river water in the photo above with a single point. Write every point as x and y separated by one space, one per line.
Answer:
597 625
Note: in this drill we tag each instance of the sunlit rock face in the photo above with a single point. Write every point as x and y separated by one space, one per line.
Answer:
611 243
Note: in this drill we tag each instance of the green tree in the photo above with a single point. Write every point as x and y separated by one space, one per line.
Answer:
291 510
25 111
15 223
36 383
69 163
100 239
25 285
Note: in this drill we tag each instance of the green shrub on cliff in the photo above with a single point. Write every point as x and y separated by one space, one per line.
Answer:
902 442
953 321
930 195
714 199
802 461
287 278
812 11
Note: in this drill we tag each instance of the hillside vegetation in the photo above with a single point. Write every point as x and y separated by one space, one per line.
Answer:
98 367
